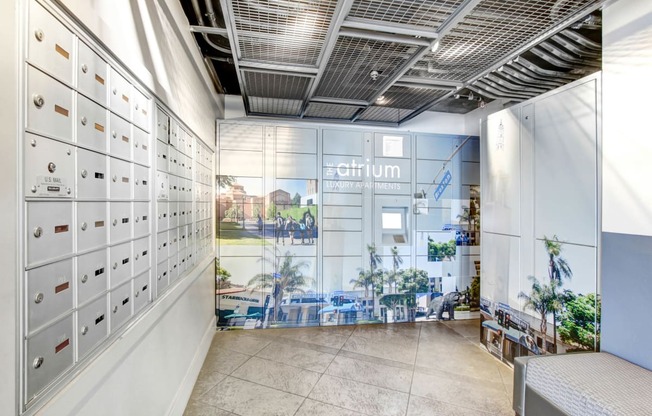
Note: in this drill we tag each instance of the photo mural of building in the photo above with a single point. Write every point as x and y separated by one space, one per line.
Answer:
320 226
539 240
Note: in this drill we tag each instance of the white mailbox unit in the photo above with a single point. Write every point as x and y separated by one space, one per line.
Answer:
93 259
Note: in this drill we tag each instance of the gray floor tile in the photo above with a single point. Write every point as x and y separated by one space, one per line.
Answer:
223 361
249 399
371 373
206 381
292 354
359 397
333 337
201 409
420 406
276 375
314 408
376 360
244 342
394 349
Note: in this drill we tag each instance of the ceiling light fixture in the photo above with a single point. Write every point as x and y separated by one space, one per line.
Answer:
374 75
434 46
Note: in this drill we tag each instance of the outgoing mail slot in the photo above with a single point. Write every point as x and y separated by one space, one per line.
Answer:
162 245
49 354
92 127
49 106
162 156
92 275
162 277
92 325
162 185
141 182
120 137
163 216
162 126
141 291
92 175
141 146
49 293
120 179
120 262
50 44
173 182
141 110
141 255
141 219
173 242
92 225
173 212
49 168
49 231
120 221
120 99
120 306
92 75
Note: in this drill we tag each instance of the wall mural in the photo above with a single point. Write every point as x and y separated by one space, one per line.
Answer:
362 248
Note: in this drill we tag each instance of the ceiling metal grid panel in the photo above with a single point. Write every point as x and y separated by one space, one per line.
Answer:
259 84
333 111
384 114
412 12
348 72
290 32
493 30
275 106
409 98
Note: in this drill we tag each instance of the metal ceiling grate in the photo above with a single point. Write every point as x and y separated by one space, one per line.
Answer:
259 84
412 12
333 111
347 74
409 98
275 106
290 32
384 114
493 30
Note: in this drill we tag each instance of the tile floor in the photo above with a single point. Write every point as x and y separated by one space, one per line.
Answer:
429 368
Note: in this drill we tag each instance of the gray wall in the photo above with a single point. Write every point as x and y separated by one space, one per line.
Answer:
626 200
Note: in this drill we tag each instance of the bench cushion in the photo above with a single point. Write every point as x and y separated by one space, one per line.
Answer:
593 384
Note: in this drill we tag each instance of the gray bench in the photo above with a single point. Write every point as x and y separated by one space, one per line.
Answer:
591 384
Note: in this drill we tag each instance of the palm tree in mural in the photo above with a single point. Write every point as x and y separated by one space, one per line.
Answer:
287 277
392 275
558 269
363 280
543 300
374 261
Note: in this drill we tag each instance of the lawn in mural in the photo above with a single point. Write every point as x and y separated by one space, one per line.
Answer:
267 246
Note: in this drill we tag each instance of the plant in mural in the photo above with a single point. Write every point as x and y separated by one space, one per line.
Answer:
222 276
374 261
287 277
234 213
271 211
393 300
364 280
543 300
393 275
558 269
441 251
224 181
414 281
580 321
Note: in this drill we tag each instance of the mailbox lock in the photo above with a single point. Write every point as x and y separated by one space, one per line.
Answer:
84 278
33 189
84 120
84 68
115 222
38 33
84 330
38 362
136 144
68 191
136 294
52 167
84 173
115 91
114 134
115 266
84 226
137 219
115 178
137 182
115 309
38 298
38 231
159 277
39 101
137 256
33 143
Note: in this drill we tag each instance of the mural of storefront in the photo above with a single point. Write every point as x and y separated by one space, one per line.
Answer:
343 226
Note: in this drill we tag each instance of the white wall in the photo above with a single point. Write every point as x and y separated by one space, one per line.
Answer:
626 198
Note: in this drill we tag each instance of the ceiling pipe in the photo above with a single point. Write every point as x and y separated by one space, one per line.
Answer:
213 23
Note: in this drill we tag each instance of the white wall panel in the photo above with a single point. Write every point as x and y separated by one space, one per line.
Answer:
337 243
339 271
500 268
237 163
241 137
296 140
296 166
342 142
436 147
